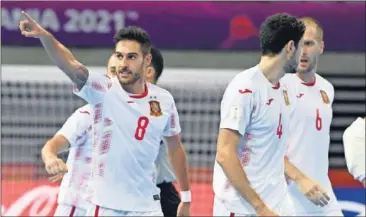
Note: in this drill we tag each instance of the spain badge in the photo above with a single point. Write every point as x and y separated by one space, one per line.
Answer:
155 109
325 97
285 97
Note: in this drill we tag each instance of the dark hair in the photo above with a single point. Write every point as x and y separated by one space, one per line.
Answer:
157 62
277 31
137 34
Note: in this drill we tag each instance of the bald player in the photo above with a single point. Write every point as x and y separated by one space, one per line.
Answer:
307 160
76 134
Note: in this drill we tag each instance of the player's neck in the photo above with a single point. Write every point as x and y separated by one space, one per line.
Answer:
272 68
137 88
306 77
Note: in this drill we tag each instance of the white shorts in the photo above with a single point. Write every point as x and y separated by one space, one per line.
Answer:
67 210
219 209
102 211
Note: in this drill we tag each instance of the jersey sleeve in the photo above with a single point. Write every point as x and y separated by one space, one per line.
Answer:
236 107
172 127
95 88
354 150
75 126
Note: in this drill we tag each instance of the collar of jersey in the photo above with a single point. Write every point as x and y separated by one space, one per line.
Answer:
275 87
309 84
142 95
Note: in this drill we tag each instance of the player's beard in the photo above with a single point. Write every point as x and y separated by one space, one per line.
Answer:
135 77
133 80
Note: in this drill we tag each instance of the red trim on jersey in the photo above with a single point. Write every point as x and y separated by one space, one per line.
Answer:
96 212
84 112
139 96
277 86
232 214
72 211
309 83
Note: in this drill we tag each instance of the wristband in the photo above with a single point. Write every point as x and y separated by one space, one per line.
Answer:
185 196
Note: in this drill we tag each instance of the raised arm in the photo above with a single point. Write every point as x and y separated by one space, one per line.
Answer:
57 52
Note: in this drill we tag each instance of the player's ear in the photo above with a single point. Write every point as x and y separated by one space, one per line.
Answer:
290 49
148 59
149 74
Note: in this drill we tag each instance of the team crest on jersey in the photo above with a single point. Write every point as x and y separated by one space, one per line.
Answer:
285 97
155 109
324 97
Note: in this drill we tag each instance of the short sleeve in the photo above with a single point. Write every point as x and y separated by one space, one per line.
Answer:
95 88
236 107
172 127
75 126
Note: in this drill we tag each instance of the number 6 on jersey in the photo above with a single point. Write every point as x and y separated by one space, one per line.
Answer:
142 124
318 120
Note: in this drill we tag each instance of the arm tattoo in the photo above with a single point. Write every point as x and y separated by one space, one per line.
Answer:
81 76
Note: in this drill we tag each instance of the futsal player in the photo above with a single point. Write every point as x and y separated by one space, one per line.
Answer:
310 120
130 118
249 171
76 134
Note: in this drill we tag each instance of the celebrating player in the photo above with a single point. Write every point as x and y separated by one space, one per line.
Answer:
77 134
130 118
354 149
165 176
249 169
309 138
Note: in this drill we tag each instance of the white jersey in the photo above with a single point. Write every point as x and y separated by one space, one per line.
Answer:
128 131
78 131
260 112
164 171
354 148
308 144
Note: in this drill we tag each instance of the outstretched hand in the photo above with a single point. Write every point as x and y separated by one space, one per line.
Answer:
30 28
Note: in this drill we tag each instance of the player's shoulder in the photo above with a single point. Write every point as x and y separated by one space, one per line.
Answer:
245 79
288 78
358 124
83 115
349 131
84 110
322 82
163 93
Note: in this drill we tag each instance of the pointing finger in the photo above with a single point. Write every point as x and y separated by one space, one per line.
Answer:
28 17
